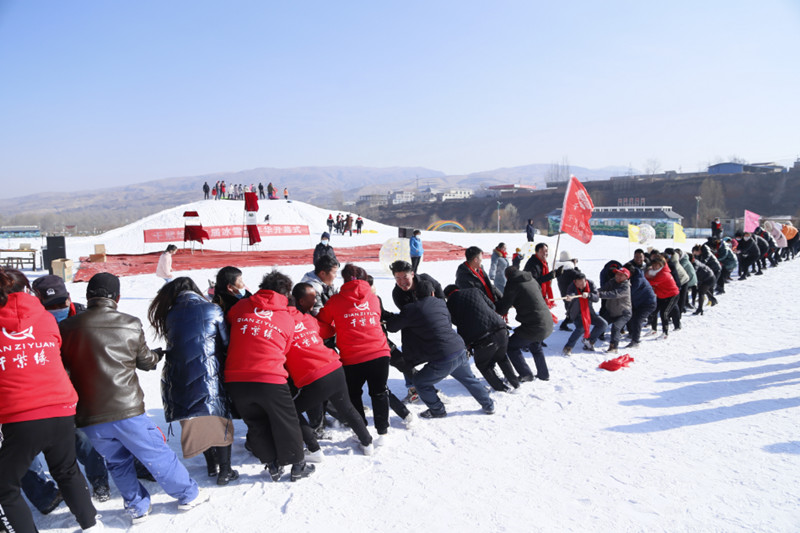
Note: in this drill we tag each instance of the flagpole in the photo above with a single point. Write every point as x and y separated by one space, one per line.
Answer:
558 240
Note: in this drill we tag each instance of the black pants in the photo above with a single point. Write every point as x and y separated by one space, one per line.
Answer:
682 297
375 374
744 265
666 308
617 323
491 352
640 314
333 388
706 290
22 441
415 262
273 429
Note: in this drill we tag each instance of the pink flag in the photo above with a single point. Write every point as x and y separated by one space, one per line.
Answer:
750 221
577 211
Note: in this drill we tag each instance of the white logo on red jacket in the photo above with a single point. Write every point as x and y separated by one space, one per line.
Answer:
19 335
299 327
266 314
362 307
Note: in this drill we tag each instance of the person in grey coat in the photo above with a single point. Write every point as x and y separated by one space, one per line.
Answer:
499 264
617 293
581 290
691 287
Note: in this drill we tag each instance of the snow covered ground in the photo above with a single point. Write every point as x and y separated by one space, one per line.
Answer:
698 434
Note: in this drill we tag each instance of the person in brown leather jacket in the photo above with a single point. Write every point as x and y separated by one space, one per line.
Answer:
101 349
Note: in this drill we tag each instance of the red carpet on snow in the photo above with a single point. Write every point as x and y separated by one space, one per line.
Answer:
133 264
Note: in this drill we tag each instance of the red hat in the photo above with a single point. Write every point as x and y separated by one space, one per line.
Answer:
624 271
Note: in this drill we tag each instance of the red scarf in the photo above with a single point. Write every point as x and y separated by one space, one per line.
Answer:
586 312
547 289
479 275
501 252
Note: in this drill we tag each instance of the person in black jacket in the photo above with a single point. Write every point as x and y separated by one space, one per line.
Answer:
536 323
470 273
484 332
428 337
407 280
537 266
568 274
763 250
705 283
748 254
324 248
530 231
643 301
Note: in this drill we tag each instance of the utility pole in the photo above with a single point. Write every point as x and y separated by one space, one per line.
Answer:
498 216
697 219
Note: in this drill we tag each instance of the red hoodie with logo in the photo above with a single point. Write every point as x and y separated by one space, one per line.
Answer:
309 359
261 334
355 314
33 382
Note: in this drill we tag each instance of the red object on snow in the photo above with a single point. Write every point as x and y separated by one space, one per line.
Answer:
577 211
615 364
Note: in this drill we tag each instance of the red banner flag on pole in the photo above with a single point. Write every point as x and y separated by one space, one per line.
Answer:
577 211
251 217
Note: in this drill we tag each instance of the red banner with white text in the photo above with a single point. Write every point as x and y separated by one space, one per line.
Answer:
226 232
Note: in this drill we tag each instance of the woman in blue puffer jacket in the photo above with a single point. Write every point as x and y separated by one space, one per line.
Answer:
191 382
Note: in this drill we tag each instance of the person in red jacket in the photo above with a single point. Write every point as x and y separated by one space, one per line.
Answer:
262 331
354 314
317 373
660 278
37 407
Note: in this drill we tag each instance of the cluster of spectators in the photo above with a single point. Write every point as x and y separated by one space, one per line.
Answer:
235 191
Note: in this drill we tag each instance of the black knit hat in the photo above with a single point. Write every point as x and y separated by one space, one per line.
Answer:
103 285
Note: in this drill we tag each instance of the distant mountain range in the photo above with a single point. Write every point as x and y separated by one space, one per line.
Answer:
328 187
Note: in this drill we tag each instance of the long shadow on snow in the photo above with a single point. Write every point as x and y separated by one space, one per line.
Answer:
752 357
707 416
729 374
791 447
700 393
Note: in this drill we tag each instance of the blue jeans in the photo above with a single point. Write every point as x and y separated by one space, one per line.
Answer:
517 343
40 489
93 463
118 442
598 328
458 367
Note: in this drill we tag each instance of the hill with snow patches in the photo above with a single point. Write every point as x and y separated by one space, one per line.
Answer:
698 434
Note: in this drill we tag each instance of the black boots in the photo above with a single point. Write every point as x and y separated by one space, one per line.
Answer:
226 473
301 470
211 461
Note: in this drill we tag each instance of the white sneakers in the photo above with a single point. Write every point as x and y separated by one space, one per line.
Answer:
367 450
202 496
314 457
410 420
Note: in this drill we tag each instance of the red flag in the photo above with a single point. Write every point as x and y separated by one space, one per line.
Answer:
251 217
577 211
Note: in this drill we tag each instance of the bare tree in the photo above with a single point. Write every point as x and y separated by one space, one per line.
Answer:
713 202
652 166
559 172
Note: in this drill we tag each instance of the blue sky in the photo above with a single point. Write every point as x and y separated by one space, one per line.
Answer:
98 93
